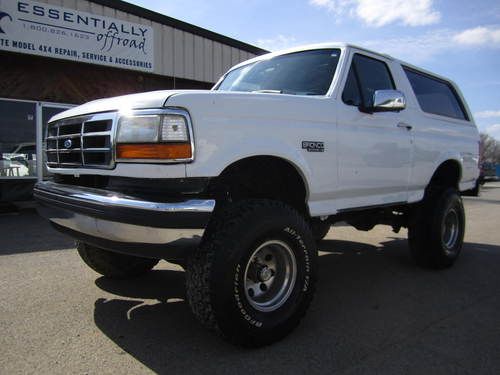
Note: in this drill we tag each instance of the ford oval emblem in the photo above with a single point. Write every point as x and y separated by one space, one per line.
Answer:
68 143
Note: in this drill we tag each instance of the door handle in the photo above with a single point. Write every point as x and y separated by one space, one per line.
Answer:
405 126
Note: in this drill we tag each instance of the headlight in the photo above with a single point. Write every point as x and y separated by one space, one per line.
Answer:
154 136
138 129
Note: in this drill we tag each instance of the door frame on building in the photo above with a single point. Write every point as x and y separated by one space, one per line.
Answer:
38 132
40 135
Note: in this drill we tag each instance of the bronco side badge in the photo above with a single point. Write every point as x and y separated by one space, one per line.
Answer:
313 146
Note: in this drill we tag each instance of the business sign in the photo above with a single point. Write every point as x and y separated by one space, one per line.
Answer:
47 30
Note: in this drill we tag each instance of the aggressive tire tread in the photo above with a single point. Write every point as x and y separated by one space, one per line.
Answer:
424 233
218 241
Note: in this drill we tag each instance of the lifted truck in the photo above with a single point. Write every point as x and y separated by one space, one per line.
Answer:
256 170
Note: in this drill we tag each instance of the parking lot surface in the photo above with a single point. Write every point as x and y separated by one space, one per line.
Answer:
374 311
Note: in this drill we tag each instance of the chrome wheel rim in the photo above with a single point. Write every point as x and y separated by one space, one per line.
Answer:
270 275
450 230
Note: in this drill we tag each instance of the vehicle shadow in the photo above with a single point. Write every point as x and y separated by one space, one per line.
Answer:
371 301
25 232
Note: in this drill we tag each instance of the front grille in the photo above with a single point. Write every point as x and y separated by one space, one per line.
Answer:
85 142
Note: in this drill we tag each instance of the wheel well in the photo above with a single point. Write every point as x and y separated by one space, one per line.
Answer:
267 177
448 174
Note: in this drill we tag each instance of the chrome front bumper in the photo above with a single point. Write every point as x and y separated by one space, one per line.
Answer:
119 222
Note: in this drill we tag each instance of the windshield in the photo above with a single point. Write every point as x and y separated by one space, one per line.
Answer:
299 73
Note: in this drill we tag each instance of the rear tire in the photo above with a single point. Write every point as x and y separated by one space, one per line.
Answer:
114 265
247 245
437 230
476 192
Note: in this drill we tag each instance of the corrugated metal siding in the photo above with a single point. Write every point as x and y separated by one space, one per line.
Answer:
177 53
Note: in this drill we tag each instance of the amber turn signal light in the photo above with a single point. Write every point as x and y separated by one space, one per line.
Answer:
154 151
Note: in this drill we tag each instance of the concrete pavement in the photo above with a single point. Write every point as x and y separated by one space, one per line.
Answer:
374 312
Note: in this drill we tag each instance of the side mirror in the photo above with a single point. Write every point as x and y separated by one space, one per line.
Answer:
388 100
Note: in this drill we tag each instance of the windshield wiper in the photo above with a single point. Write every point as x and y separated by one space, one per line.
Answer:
269 91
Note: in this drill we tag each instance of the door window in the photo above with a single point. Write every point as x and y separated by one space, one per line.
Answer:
366 75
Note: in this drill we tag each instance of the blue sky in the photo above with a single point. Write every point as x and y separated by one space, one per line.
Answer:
456 38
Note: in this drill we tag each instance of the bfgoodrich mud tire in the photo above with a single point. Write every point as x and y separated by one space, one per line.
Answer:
476 192
437 232
249 244
114 265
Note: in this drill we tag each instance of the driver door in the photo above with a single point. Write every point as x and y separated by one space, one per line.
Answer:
374 149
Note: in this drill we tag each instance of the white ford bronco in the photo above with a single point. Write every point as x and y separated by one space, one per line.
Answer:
238 183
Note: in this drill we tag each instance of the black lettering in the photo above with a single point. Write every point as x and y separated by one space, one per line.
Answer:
21 7
68 17
142 46
38 11
54 14
112 26
96 20
84 20
313 146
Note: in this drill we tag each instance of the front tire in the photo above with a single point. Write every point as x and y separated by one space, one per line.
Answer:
114 265
319 229
253 277
437 231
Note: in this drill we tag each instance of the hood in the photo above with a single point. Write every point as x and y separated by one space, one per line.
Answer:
152 99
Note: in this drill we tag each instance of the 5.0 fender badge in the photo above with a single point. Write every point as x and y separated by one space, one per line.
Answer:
313 146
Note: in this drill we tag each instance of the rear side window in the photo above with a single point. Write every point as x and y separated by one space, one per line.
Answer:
366 75
435 96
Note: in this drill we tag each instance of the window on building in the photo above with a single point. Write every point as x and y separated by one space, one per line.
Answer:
17 139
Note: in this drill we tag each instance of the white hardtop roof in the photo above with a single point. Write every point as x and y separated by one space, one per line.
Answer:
308 47
340 45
